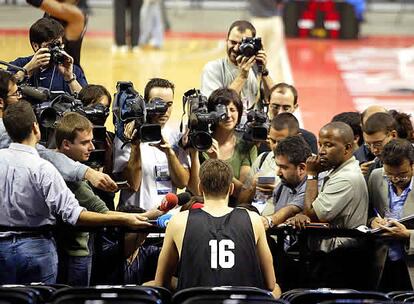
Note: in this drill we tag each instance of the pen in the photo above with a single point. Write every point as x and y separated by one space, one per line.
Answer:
377 213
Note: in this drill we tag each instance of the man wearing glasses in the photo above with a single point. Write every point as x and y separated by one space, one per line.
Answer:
70 170
283 98
378 130
237 72
9 94
391 196
45 70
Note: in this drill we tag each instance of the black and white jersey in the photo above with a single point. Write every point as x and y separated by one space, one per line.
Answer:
219 251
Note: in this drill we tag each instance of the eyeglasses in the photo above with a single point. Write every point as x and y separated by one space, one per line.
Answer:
397 179
18 93
377 144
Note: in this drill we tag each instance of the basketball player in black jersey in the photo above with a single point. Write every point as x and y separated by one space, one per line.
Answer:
216 245
71 17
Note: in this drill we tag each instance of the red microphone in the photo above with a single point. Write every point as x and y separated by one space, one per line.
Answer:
168 202
197 205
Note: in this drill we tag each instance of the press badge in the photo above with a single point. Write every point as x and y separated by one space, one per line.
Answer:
162 179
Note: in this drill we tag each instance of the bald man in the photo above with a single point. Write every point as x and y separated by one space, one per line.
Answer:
343 199
342 202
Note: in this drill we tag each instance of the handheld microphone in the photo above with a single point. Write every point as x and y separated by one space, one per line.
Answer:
183 198
168 202
197 205
163 220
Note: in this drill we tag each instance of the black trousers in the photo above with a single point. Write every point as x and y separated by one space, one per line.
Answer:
395 276
120 9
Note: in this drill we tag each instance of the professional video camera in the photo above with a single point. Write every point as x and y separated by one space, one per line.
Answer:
56 55
256 128
250 46
130 106
49 107
200 119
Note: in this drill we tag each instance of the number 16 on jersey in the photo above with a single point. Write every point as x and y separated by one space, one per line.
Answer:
221 252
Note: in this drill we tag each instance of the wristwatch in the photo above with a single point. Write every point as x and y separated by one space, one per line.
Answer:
265 72
269 221
72 79
312 177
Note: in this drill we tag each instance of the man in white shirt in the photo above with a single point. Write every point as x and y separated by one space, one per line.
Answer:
153 170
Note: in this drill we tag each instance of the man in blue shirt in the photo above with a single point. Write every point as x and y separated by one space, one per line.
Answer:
70 170
33 194
44 68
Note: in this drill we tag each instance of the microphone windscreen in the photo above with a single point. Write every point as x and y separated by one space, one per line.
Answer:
197 205
183 198
163 220
169 202
38 94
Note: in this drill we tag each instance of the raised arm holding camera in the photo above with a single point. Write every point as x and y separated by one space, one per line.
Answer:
152 162
243 69
50 66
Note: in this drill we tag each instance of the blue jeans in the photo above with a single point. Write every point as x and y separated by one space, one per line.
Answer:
74 271
28 259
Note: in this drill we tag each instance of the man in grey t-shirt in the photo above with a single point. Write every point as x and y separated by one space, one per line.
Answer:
236 71
342 202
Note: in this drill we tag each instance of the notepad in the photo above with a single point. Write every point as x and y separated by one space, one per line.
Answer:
404 220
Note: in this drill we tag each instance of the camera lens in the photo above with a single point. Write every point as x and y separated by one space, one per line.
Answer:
202 141
48 117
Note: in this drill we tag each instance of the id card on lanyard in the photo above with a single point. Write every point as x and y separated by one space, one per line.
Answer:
162 179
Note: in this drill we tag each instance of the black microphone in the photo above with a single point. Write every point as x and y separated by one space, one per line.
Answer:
183 198
12 66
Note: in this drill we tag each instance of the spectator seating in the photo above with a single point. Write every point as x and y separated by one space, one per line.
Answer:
314 296
19 294
108 294
401 296
226 291
239 299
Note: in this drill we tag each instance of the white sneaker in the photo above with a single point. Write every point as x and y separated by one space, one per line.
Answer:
119 49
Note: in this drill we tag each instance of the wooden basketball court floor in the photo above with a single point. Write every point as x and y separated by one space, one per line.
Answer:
331 76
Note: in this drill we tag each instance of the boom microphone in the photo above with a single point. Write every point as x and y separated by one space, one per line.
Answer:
168 202
38 94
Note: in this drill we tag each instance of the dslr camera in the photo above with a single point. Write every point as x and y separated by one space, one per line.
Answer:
256 128
56 55
129 106
250 46
200 119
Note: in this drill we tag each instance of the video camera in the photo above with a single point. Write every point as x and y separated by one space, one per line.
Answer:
129 106
200 119
49 107
256 128
250 46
